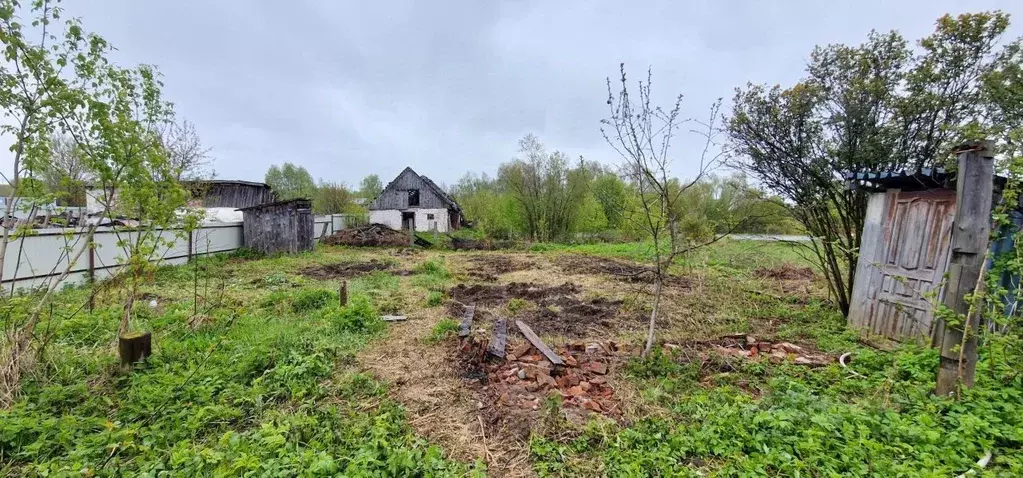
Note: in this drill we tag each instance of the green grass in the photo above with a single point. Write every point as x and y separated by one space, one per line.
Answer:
801 421
726 253
444 329
268 386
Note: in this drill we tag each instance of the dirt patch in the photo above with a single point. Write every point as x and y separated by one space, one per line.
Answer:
553 310
343 270
620 270
486 268
498 294
581 264
784 272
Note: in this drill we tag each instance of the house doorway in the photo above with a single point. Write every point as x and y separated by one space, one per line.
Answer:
408 221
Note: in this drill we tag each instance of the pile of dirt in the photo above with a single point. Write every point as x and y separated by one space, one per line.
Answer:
368 235
513 390
343 270
486 268
784 272
497 294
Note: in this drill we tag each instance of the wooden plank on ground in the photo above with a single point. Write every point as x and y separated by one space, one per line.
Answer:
394 318
466 327
535 340
499 339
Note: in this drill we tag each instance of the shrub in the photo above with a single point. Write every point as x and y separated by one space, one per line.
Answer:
311 299
358 316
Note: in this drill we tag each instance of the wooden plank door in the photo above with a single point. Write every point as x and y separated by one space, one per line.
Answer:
912 261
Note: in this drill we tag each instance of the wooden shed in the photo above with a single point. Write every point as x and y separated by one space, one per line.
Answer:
279 227
228 193
907 245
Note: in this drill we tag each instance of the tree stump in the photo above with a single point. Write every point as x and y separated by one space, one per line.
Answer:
136 348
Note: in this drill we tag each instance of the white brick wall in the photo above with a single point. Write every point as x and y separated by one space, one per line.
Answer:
424 223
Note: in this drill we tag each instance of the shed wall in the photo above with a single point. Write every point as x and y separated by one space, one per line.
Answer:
390 218
286 228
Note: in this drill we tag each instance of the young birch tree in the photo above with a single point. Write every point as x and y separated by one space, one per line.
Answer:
643 135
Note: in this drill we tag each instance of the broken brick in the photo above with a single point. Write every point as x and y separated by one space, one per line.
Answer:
576 391
584 385
597 367
597 381
592 405
522 349
571 361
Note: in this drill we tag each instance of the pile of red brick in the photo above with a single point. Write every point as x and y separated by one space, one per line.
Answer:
525 378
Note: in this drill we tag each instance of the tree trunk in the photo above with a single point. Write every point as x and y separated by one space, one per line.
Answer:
653 314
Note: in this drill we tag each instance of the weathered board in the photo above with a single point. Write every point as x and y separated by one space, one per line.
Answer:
465 328
903 256
499 339
396 194
281 227
535 340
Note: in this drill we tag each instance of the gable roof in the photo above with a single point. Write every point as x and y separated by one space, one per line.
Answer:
430 184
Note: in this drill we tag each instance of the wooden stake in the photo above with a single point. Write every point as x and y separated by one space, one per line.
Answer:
970 231
342 293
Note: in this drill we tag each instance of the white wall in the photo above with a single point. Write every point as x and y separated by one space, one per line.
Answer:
38 259
439 222
388 217
392 219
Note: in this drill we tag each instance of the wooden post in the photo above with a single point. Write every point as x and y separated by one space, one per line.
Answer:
342 293
970 235
190 245
92 271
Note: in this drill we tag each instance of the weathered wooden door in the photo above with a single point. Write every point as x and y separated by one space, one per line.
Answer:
910 263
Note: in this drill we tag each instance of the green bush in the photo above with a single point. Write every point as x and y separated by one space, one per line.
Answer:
312 299
358 316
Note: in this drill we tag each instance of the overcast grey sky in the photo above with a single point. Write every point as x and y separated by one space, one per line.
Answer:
349 88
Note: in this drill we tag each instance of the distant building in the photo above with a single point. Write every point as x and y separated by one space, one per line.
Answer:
414 202
206 193
225 193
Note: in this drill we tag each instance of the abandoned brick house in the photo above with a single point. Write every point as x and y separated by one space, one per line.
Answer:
414 202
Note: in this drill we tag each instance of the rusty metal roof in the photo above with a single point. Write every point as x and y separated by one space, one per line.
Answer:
919 180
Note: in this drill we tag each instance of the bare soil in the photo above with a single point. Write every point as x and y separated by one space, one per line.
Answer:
553 310
343 270
487 268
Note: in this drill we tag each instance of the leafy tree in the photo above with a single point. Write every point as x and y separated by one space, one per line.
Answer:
370 187
290 181
334 198
547 192
56 80
876 106
485 203
613 196
66 175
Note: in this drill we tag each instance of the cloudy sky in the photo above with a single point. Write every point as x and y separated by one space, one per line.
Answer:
349 88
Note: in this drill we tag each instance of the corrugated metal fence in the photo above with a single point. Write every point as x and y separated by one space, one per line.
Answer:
40 258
